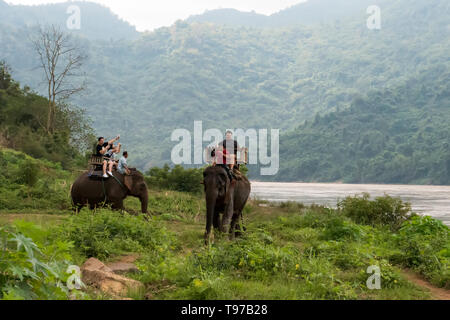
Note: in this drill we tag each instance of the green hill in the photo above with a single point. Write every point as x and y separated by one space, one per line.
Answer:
22 115
233 77
398 135
28 183
97 21
305 13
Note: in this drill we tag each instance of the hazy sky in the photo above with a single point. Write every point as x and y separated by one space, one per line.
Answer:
150 14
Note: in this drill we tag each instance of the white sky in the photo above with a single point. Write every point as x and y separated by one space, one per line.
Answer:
151 14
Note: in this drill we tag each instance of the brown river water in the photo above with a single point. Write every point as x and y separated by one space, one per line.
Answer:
429 200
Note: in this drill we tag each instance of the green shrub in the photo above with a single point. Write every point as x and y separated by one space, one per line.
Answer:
381 211
30 269
173 205
424 245
177 178
104 233
339 229
389 275
27 183
28 173
255 256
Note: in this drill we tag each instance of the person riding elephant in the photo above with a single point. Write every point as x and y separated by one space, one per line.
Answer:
230 147
224 197
86 191
102 150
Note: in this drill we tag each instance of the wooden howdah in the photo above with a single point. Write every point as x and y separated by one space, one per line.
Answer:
95 162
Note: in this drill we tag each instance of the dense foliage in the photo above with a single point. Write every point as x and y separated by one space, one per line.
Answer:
108 233
425 246
289 251
304 13
294 252
385 210
22 117
176 178
399 135
33 268
97 21
27 183
232 77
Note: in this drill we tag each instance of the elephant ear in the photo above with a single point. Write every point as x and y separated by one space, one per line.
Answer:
128 181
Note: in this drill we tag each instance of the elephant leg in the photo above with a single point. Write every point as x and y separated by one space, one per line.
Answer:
226 219
117 205
209 236
77 208
216 220
210 218
234 221
228 213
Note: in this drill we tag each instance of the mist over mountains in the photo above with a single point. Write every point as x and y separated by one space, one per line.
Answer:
243 70
98 22
305 13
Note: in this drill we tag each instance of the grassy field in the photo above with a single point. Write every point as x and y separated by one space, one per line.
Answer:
289 251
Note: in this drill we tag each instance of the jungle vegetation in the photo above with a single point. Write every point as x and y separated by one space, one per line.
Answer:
232 76
289 251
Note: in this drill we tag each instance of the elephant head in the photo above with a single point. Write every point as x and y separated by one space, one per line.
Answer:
216 184
136 186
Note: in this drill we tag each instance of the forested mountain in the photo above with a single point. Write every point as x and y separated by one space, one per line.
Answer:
230 17
240 77
22 114
97 21
397 135
305 13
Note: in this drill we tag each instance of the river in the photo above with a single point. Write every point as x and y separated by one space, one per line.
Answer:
430 200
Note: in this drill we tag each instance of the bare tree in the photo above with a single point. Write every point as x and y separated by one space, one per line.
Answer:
61 60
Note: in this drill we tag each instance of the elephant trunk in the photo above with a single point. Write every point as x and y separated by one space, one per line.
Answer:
211 198
144 202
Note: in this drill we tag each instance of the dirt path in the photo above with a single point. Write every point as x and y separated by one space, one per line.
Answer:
436 293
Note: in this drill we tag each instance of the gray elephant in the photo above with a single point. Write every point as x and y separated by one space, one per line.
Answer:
114 190
224 197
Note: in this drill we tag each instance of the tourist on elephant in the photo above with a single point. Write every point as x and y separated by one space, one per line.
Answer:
222 158
122 167
230 148
112 154
102 149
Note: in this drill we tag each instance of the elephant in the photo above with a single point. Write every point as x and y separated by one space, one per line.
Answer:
86 191
223 196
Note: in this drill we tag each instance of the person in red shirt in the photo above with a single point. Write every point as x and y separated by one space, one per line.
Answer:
230 146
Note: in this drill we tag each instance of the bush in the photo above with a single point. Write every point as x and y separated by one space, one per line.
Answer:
381 211
255 257
30 270
177 179
28 173
27 183
425 247
339 229
105 233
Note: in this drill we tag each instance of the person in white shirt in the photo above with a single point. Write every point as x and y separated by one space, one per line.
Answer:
122 167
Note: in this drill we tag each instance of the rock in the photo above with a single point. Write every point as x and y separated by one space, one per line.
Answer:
95 273
95 264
